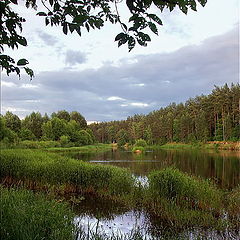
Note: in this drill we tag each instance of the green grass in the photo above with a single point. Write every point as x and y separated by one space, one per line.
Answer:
28 216
44 169
174 197
178 187
84 149
200 145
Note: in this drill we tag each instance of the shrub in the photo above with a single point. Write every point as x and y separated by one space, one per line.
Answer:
176 186
140 143
64 140
138 149
26 134
38 144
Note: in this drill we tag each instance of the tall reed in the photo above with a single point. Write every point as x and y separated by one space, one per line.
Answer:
27 216
50 168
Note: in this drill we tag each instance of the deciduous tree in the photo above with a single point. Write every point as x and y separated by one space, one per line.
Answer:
75 15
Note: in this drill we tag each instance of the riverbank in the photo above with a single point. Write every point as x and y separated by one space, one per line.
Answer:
171 196
218 145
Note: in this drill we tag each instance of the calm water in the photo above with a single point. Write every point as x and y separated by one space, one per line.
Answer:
222 167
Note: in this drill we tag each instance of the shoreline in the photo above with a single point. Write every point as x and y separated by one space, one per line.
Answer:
217 145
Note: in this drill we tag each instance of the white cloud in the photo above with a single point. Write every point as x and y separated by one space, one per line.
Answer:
162 73
8 84
29 86
115 98
139 104
13 109
138 84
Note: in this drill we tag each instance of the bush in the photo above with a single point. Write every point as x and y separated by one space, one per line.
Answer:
138 149
64 140
140 143
39 144
25 216
26 134
176 186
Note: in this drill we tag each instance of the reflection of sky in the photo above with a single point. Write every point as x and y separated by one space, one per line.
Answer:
122 224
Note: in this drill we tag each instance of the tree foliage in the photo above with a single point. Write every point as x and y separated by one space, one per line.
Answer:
203 118
75 15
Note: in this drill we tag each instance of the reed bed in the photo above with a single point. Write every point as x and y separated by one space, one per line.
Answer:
51 169
175 198
180 188
28 216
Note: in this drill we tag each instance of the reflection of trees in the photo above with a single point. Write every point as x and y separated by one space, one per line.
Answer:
220 167
99 208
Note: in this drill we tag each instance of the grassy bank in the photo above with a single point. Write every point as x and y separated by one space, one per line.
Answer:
39 169
235 146
174 198
28 216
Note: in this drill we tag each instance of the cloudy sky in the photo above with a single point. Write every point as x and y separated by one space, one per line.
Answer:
103 82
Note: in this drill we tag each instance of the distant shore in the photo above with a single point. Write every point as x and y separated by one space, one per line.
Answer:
220 145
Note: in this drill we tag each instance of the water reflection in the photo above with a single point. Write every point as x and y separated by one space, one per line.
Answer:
222 167
108 217
149 226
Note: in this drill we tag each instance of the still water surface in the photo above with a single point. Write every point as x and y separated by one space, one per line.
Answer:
222 167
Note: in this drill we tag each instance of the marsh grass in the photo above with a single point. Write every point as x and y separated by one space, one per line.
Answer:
84 149
217 145
28 216
93 233
232 202
177 199
175 186
46 169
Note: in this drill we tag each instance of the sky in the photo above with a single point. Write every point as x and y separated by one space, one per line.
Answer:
93 76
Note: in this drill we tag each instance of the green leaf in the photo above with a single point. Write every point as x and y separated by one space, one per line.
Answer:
22 62
155 18
22 41
122 41
133 17
47 21
72 27
51 2
153 27
80 19
65 28
120 36
124 26
99 23
29 72
14 1
41 14
131 43
10 24
202 2
87 27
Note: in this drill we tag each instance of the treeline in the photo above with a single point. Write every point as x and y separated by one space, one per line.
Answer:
70 129
215 117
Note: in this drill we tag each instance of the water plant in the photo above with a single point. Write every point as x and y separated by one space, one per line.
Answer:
138 149
174 185
44 168
140 143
